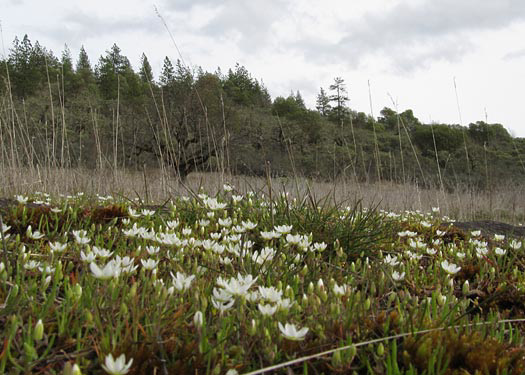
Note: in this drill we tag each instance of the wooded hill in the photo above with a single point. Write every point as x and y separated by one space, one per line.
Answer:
55 112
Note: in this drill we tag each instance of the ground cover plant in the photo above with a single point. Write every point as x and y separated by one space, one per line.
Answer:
238 283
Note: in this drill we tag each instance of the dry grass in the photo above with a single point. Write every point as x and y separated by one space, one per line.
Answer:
504 204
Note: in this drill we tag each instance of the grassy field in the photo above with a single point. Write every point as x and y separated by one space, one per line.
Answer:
240 281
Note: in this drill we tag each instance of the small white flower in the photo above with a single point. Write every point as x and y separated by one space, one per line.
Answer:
149 264
152 250
340 290
32 264
101 252
269 235
146 212
271 293
110 270
475 233
21 199
36 235
290 331
515 244
133 213
440 233
90 257
499 251
81 237
283 229
57 247
499 237
222 306
267 310
398 276
117 367
391 260
182 282
450 268
284 304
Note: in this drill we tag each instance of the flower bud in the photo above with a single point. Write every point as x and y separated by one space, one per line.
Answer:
380 349
133 291
252 329
367 304
336 358
76 370
77 291
465 288
198 319
38 333
310 288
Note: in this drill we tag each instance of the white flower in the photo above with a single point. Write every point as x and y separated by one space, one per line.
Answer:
283 229
340 290
398 276
499 251
475 233
21 199
248 225
36 235
515 244
290 332
271 293
213 204
110 270
227 188
90 257
56 210
222 306
225 222
133 213
81 237
146 212
425 224
57 247
450 268
293 239
149 264
319 246
232 371
32 264
460 255
118 367
391 261
440 233
182 282
267 254
101 252
237 286
5 228
237 198
284 304
499 237
270 235
152 250
267 310
431 251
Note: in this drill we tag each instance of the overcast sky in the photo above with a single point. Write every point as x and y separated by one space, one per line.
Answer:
409 50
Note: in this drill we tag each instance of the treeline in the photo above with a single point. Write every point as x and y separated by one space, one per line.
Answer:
57 112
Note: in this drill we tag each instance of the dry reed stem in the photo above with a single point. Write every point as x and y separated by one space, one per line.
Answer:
507 202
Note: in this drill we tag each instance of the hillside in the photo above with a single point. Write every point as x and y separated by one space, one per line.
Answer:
57 112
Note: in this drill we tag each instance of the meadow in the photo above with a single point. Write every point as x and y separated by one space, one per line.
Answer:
253 277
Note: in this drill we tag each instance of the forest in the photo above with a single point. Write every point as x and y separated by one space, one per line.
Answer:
65 112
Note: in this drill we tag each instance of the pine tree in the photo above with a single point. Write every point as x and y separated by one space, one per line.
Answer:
339 97
84 71
145 72
167 76
322 103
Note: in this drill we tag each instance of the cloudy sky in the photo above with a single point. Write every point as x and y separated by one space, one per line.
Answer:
410 51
